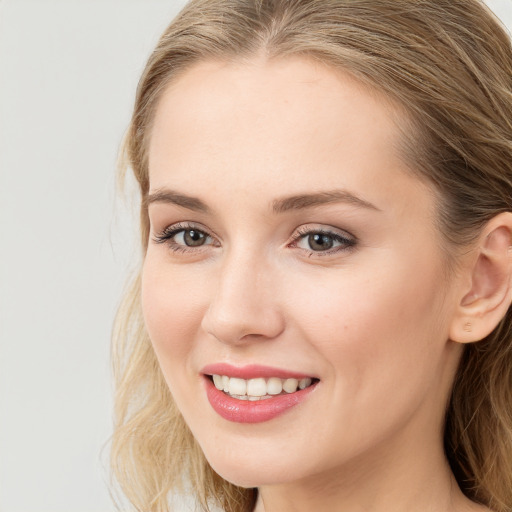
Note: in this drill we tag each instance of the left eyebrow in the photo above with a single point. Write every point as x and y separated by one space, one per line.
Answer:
303 201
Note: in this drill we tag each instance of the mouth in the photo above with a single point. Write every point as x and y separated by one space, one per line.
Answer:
259 388
255 394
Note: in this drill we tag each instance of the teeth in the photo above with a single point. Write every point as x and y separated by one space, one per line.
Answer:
290 385
257 389
304 383
217 380
274 386
240 397
237 386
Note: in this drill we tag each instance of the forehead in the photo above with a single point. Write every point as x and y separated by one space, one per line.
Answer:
302 124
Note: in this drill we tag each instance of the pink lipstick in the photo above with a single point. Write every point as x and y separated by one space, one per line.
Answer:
262 407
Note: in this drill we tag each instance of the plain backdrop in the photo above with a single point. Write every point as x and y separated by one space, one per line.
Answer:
68 72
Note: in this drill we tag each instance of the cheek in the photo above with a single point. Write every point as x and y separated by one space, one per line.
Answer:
375 329
383 341
171 305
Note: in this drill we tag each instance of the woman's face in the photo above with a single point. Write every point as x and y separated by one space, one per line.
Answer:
289 241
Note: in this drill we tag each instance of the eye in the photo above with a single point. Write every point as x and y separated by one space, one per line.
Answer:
183 237
322 240
191 237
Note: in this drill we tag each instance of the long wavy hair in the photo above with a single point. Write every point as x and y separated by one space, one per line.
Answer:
448 64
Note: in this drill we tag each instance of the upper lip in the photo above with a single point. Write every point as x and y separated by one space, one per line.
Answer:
252 371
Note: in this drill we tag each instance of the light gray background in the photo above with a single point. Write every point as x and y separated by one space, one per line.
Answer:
68 72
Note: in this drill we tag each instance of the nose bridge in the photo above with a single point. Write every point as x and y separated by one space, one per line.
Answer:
244 300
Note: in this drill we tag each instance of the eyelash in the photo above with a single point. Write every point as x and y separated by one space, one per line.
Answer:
347 243
168 234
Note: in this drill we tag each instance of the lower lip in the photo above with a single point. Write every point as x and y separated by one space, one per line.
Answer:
245 411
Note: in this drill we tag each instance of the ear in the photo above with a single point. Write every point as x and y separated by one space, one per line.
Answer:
488 296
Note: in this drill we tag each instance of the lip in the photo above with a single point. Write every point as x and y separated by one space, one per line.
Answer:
252 371
245 411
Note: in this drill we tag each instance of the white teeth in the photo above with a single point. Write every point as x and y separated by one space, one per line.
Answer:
274 386
290 385
225 384
241 397
217 380
237 386
259 388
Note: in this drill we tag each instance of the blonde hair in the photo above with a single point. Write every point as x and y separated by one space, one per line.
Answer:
449 65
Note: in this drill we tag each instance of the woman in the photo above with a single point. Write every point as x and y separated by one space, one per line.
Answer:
322 318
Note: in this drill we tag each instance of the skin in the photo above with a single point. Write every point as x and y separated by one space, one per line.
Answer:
371 319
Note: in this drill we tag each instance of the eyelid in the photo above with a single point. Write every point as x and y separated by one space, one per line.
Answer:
166 235
348 241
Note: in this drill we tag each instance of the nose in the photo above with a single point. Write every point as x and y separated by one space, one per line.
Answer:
244 304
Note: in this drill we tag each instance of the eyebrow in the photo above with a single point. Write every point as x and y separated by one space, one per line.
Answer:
172 197
297 202
303 201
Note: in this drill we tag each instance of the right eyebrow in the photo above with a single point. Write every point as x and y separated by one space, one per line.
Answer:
171 197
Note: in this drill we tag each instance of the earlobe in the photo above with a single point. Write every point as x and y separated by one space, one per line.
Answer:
490 293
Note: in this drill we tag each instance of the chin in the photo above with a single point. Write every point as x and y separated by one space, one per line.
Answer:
243 475
256 469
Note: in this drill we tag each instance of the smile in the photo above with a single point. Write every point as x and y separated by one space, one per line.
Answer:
260 388
254 394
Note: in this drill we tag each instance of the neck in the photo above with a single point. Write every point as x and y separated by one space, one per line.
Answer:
388 480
